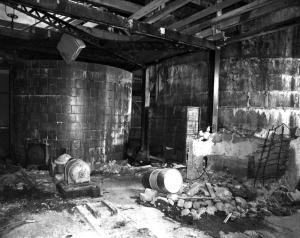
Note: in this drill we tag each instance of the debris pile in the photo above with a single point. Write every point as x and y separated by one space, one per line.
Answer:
114 167
223 196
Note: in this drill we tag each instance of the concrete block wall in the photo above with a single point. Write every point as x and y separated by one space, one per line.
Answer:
84 108
260 82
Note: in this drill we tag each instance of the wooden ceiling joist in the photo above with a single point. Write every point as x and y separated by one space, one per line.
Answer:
80 11
270 28
236 12
247 17
120 5
173 6
147 9
203 13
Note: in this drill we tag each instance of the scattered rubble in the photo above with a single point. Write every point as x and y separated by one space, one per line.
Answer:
224 196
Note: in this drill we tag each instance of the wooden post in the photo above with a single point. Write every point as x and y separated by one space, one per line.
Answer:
145 113
216 91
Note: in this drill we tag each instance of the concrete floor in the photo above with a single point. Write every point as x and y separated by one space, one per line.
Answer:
122 191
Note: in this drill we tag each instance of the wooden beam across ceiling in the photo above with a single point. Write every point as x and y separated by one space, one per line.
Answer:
236 12
247 17
121 5
267 29
173 6
147 9
202 14
74 10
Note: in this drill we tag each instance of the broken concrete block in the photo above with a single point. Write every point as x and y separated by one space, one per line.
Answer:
204 191
252 210
241 202
220 206
264 211
295 196
171 202
196 204
173 196
188 205
195 214
185 212
223 193
148 195
208 203
252 234
211 210
195 188
252 204
180 203
201 210
228 208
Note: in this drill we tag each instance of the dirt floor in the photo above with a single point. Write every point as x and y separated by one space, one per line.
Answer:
35 214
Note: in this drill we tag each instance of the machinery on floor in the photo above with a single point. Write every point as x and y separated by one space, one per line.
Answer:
73 177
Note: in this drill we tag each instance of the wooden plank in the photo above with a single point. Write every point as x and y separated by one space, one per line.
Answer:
210 190
173 6
265 30
203 3
74 10
121 5
203 13
92 221
236 12
247 17
216 91
147 9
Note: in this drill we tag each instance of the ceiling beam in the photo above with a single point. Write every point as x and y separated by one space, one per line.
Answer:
120 5
203 13
271 28
103 34
247 17
236 12
147 9
203 3
173 6
80 11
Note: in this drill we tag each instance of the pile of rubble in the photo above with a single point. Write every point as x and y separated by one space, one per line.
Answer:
224 196
114 167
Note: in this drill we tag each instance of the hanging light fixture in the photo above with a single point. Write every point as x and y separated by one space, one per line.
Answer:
11 15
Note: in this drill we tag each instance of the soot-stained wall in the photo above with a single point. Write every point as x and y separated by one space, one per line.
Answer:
260 82
175 84
84 108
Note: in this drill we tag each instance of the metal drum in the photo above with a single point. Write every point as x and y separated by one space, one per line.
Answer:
163 180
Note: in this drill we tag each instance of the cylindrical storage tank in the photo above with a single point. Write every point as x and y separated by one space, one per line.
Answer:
82 109
163 180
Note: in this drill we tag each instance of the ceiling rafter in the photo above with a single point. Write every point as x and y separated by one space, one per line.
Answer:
74 10
236 12
202 14
147 9
65 27
223 25
269 28
173 6
120 5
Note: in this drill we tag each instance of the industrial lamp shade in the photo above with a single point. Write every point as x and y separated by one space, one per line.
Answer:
69 47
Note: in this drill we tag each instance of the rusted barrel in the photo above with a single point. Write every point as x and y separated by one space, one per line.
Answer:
163 180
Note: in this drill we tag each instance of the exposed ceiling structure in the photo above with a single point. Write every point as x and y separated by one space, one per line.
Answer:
132 34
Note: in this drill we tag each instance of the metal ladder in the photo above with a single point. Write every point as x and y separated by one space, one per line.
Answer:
274 155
